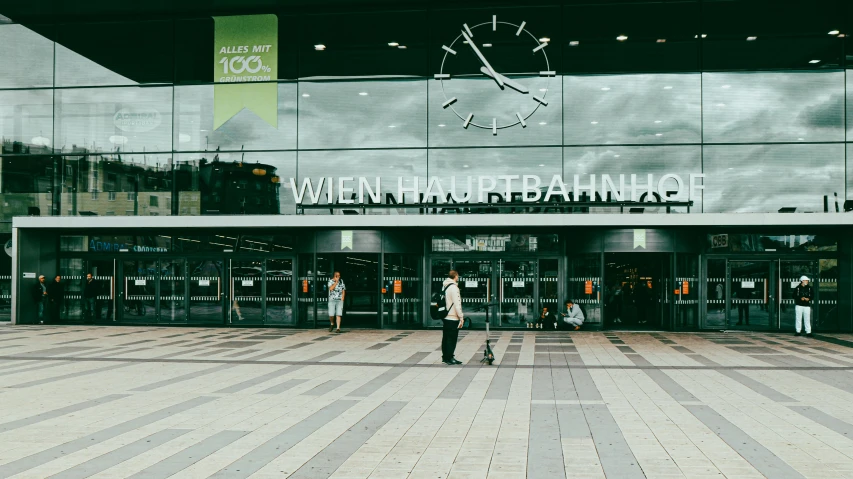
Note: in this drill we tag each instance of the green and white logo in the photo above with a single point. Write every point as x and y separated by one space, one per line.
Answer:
245 67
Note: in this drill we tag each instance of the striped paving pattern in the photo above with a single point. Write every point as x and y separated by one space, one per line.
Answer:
147 402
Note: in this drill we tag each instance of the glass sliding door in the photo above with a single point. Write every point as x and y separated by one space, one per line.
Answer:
306 292
789 277
686 291
475 286
173 291
752 303
401 291
72 276
716 288
206 294
246 292
104 275
584 288
137 297
278 292
516 293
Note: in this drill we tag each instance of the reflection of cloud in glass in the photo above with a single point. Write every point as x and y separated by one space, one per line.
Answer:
765 178
773 106
652 108
30 54
26 114
73 69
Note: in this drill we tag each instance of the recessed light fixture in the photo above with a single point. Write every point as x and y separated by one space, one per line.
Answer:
594 122
801 139
464 166
814 61
658 134
319 47
487 45
657 121
543 123
441 125
668 87
541 164
402 47
721 104
393 44
392 126
543 90
841 35
622 38
305 95
545 39
834 32
704 35
605 88
362 93
574 43
726 87
661 40
616 156
751 39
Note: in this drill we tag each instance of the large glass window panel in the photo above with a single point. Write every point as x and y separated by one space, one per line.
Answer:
114 185
716 294
773 106
126 53
512 163
6 282
244 131
388 165
849 92
772 178
401 291
827 312
26 119
28 186
134 119
641 161
584 287
26 56
620 109
362 44
362 114
665 39
235 183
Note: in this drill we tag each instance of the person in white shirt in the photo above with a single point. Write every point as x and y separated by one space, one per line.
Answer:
572 316
454 319
337 293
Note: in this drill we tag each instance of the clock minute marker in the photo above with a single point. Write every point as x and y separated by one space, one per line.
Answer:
468 30
494 126
448 102
540 100
521 120
494 23
448 49
520 28
541 46
468 120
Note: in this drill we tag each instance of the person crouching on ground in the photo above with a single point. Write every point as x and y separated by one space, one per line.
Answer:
803 297
572 316
454 319
546 319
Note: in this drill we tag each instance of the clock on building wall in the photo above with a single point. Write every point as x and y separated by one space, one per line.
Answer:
514 53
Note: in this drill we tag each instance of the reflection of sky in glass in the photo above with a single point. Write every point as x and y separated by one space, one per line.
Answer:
640 160
389 165
626 109
362 114
765 178
194 123
26 56
773 106
73 69
485 100
26 115
87 118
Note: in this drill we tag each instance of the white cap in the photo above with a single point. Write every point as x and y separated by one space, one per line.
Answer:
804 278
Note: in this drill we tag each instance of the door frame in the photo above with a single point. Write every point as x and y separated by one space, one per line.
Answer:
263 258
667 300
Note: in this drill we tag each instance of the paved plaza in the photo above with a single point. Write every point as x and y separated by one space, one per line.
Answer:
152 402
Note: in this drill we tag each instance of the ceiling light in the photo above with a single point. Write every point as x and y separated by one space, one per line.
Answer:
834 32
362 93
667 87
616 156
726 87
393 44
594 122
402 47
464 166
541 164
622 38
814 61
704 35
392 126
441 125
661 40
721 104
841 35
543 90
605 88
658 134
657 121
800 139
319 47
305 95
750 39
574 43
545 39
543 123
487 45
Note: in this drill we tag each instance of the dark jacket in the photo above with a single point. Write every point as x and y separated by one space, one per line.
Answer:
55 291
90 289
801 292
38 293
548 321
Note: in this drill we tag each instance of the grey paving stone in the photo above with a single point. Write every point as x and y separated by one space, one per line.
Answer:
186 458
824 419
544 447
183 377
502 380
28 421
257 380
39 382
324 388
280 388
616 456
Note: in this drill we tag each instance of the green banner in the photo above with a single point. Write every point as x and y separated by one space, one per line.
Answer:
245 51
346 239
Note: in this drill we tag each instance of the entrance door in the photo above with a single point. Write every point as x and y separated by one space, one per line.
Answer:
278 292
516 293
360 273
475 286
636 285
206 298
137 297
752 294
173 291
246 292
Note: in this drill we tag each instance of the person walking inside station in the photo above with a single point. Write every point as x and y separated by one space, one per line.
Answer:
90 297
573 316
454 320
803 297
55 297
337 293
40 298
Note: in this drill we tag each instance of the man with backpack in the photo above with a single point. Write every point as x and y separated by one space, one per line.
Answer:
803 297
454 320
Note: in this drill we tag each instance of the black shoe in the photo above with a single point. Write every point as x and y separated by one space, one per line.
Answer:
797 333
455 361
809 335
449 363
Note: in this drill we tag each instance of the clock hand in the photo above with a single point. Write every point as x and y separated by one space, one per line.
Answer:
509 83
483 59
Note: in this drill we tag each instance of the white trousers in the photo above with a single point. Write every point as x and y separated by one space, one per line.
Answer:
804 313
574 321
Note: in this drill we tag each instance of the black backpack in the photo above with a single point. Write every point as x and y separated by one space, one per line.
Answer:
438 304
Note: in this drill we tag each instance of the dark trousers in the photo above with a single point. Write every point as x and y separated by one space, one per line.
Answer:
449 336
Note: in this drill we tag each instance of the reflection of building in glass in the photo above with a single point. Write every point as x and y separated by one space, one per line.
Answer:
42 183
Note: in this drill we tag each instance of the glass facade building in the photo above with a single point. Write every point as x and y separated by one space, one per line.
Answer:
709 117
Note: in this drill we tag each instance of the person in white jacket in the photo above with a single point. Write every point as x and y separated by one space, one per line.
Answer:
572 316
454 320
